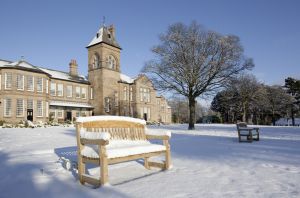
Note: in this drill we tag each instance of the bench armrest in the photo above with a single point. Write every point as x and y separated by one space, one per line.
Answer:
158 134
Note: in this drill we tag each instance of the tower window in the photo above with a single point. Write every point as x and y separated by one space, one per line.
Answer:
96 61
111 62
109 36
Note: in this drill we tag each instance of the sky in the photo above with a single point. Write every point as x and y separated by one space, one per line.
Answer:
51 33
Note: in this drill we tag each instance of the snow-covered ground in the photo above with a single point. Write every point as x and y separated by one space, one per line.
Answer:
207 162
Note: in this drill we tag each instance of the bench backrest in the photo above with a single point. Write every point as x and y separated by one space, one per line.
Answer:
119 128
241 124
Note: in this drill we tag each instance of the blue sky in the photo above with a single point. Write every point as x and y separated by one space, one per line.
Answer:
51 33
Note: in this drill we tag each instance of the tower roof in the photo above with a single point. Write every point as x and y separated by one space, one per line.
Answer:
105 35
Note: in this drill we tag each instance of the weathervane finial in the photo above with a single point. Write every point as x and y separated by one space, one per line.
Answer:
103 21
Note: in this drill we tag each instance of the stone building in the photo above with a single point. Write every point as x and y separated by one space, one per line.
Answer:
36 93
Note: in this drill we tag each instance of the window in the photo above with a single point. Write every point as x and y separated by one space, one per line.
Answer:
7 107
116 99
77 114
39 84
141 94
130 94
47 109
145 94
69 91
60 89
107 104
20 108
47 86
30 83
92 93
53 89
77 92
8 80
96 61
125 93
59 113
111 62
20 82
39 108
29 104
83 92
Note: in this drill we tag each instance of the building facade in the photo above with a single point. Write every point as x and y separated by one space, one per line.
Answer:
29 92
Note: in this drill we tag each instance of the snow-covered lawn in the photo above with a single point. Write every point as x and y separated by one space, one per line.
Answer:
207 162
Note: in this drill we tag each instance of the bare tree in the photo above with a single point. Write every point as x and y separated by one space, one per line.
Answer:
193 62
179 110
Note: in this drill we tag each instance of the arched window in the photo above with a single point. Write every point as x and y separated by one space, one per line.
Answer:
96 61
111 62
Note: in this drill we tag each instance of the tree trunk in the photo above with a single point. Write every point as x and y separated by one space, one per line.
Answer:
244 112
293 115
192 104
273 119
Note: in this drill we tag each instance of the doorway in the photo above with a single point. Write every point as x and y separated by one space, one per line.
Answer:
145 116
30 114
69 116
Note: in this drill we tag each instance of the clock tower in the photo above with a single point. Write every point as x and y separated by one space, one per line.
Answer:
104 71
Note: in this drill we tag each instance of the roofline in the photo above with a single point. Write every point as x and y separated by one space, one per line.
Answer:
25 69
82 82
105 43
5 60
120 81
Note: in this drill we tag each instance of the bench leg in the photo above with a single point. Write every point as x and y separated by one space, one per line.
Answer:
146 163
81 169
250 138
103 166
168 155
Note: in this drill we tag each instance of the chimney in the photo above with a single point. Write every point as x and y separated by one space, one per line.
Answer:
73 68
111 29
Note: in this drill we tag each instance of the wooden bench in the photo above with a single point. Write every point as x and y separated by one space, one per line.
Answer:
106 140
244 131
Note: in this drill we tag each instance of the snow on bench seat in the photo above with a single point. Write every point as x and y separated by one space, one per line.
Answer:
110 118
157 132
123 148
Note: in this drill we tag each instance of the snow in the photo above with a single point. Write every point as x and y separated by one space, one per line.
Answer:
59 74
287 122
95 39
158 132
109 118
3 62
69 104
94 135
123 148
126 79
207 162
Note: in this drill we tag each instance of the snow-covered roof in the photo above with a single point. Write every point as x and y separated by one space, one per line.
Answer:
4 62
52 73
104 36
69 104
126 79
64 75
108 118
